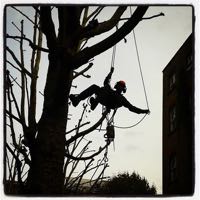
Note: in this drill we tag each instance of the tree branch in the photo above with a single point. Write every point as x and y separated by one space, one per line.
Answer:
158 15
83 133
13 136
83 56
33 87
82 174
18 62
47 26
94 13
9 166
14 80
13 116
85 15
31 44
24 15
88 157
10 89
103 27
34 41
83 71
99 177
77 128
75 163
22 74
145 18
18 163
14 66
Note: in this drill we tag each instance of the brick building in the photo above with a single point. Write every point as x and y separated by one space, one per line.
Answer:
178 122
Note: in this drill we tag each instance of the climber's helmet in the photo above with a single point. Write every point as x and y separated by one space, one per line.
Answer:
120 86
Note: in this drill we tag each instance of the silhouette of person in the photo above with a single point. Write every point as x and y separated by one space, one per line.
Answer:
111 98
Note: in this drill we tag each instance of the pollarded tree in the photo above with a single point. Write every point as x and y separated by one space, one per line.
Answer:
67 51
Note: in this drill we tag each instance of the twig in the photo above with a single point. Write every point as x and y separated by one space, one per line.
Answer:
11 119
9 167
96 181
83 133
14 80
34 42
97 167
77 128
98 12
158 15
22 74
13 97
13 66
145 18
24 15
41 93
75 163
88 157
83 173
18 62
27 91
31 44
85 42
94 13
18 163
13 116
36 9
16 26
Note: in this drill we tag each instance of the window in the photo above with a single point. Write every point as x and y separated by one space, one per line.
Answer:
172 119
172 81
172 168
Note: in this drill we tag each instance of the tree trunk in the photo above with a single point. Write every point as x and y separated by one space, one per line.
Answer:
46 173
47 151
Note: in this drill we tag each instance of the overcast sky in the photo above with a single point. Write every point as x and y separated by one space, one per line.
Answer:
140 148
137 149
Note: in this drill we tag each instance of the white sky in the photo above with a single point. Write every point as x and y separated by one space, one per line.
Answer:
140 148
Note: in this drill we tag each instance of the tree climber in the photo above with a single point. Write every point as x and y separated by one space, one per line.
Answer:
106 96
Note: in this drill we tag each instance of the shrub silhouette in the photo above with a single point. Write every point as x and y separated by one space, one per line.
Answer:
126 184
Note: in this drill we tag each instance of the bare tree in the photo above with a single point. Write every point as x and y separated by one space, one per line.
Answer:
42 153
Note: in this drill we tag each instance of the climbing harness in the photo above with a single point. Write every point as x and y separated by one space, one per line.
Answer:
110 129
110 133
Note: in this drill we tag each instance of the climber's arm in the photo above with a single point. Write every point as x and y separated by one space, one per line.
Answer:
108 77
132 108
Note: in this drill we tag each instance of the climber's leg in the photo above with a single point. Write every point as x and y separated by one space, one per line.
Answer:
93 89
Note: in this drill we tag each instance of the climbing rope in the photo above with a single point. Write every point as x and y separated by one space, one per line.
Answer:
113 56
111 120
142 78
140 67
131 126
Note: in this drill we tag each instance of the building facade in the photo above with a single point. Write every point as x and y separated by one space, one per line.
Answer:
178 122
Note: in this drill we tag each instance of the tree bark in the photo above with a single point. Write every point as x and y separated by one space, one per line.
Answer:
48 150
